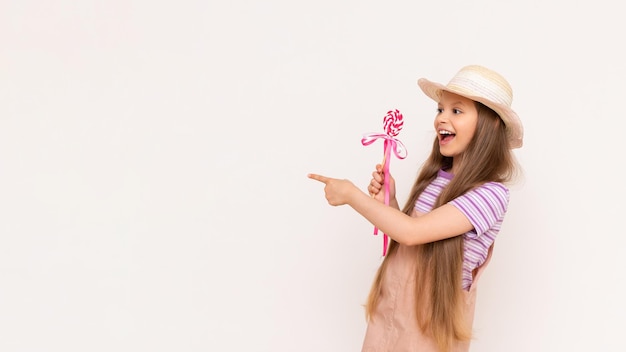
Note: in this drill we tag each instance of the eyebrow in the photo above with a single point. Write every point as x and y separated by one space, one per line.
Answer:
459 102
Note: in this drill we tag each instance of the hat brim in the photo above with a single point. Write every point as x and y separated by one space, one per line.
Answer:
512 122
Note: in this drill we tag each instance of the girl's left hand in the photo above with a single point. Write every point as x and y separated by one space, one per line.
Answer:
337 191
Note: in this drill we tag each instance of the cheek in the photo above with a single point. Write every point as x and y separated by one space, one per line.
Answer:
471 127
465 127
472 131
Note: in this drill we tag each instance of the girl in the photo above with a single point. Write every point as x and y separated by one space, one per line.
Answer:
423 296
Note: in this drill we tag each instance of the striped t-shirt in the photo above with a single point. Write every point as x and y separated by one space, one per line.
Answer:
484 206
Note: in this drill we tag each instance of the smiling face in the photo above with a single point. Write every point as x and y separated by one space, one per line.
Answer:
455 123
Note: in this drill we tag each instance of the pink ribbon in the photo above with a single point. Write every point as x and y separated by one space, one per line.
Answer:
391 144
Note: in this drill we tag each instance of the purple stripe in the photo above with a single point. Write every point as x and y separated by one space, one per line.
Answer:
488 203
498 195
475 216
430 193
477 251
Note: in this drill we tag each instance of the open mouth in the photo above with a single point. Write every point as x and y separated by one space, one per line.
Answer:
445 136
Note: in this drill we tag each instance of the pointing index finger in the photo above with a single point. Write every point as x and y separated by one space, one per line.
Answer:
319 178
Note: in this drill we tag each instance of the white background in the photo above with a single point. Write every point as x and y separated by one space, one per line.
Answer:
153 161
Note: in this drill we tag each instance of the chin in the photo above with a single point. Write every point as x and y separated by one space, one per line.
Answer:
447 153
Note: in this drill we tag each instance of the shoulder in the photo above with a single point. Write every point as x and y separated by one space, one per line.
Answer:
495 190
490 196
484 205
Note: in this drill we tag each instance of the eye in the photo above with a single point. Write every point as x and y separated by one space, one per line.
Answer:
456 111
439 110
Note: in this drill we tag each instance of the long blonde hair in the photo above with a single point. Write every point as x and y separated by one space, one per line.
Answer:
438 291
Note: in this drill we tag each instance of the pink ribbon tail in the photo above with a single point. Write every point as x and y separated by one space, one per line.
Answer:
391 144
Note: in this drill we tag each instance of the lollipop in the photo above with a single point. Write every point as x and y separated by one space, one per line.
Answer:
392 123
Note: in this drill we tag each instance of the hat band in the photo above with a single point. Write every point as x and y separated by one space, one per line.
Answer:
479 86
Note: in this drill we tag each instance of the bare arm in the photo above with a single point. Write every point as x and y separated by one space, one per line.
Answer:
441 223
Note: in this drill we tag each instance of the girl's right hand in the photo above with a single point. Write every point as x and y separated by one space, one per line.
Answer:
376 187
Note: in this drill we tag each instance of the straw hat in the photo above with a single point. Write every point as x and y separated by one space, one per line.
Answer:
487 87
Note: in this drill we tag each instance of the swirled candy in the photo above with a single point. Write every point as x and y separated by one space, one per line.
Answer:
393 122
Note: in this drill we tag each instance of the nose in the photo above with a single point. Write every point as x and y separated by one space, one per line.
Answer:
441 117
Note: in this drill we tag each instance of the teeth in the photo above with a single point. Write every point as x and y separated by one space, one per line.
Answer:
444 132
